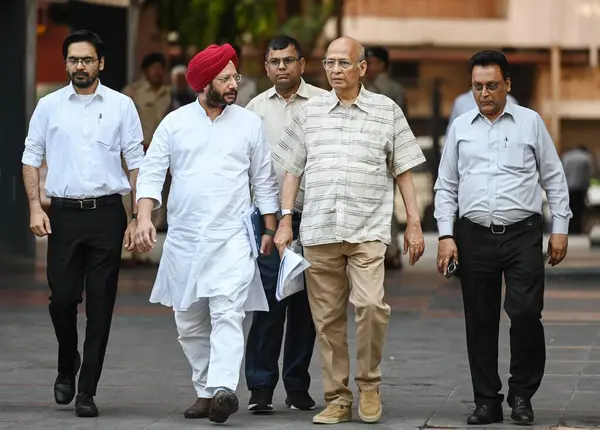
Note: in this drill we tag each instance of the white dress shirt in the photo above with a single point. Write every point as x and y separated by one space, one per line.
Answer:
82 139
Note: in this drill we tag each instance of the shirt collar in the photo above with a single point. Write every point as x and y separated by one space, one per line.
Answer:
302 91
100 90
203 111
362 101
508 110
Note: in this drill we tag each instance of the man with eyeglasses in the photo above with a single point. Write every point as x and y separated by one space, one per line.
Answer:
496 160
82 130
352 147
216 151
284 65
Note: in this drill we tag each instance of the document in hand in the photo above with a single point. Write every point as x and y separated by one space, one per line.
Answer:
255 227
291 280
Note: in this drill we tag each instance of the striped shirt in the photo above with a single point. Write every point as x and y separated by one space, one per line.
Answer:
349 157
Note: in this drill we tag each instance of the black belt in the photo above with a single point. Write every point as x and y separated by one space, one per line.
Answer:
87 204
501 229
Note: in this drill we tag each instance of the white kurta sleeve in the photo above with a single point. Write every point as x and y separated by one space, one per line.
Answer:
153 169
262 173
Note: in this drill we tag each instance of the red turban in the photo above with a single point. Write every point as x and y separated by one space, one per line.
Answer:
207 64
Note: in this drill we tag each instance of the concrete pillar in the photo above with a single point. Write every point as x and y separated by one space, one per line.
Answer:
18 20
555 79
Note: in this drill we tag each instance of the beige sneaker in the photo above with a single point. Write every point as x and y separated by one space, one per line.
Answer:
333 414
369 406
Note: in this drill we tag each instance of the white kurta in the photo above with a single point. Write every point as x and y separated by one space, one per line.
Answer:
207 250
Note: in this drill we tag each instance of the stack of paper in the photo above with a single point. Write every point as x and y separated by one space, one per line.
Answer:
291 280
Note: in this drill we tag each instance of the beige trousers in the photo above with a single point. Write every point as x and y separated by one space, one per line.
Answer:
328 287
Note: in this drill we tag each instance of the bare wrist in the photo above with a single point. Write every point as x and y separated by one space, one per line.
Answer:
413 219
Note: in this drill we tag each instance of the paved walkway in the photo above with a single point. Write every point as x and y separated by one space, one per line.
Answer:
145 384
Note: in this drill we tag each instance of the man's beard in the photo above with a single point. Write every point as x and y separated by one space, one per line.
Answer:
83 79
215 99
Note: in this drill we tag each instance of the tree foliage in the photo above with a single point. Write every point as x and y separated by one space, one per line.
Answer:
202 22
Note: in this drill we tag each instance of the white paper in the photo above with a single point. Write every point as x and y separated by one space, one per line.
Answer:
291 267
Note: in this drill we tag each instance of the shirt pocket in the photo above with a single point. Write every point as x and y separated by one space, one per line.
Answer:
512 155
107 134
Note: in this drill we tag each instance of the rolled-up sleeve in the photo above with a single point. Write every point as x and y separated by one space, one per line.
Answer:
154 166
406 152
35 142
446 186
552 179
290 151
262 173
132 137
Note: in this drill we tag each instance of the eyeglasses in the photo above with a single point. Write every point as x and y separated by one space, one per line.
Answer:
344 64
287 61
87 61
491 86
225 79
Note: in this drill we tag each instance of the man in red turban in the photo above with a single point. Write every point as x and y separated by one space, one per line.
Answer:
216 151
206 65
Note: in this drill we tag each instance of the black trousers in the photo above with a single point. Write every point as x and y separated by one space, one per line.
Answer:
577 205
484 257
266 334
84 250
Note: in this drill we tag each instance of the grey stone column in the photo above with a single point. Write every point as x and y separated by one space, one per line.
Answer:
17 101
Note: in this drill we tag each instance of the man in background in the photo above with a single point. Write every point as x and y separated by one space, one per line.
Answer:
247 87
379 81
579 166
378 78
181 93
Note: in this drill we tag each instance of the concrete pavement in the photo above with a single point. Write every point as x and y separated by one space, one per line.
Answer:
145 384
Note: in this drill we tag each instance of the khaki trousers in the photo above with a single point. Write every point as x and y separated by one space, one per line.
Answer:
333 268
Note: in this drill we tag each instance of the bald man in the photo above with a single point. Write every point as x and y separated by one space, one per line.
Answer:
353 147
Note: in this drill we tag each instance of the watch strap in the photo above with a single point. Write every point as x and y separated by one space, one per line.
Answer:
269 232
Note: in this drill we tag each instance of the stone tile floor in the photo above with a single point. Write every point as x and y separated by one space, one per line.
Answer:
145 384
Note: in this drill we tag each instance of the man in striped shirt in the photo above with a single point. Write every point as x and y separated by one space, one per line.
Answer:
353 147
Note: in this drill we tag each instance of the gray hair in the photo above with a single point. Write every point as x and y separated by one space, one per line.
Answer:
361 53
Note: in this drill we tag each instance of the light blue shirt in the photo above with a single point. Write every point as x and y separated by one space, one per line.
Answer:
464 103
494 172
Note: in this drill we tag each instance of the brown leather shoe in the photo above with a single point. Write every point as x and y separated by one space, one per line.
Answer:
199 409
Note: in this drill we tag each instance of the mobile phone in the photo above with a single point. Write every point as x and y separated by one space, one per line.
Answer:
452 267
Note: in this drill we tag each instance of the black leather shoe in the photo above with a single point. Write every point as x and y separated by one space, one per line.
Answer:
224 404
522 412
85 406
486 414
64 386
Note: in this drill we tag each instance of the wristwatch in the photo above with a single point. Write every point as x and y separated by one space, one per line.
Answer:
285 212
134 216
269 232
